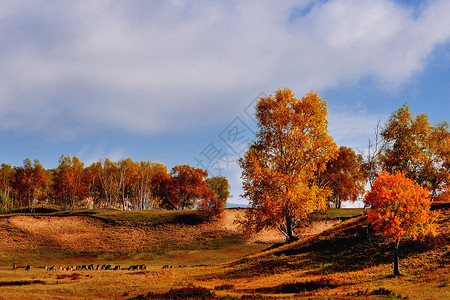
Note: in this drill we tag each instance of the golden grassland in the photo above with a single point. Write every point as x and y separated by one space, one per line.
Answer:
210 258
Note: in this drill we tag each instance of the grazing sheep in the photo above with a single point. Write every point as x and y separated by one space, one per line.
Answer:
27 268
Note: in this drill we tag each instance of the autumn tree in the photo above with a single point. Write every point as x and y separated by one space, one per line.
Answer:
152 185
280 168
92 179
189 186
216 198
29 183
38 183
108 174
400 209
345 176
6 189
418 149
69 184
128 174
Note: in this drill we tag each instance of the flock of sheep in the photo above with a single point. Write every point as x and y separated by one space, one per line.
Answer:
85 267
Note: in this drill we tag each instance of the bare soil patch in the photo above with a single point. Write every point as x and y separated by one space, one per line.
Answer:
230 221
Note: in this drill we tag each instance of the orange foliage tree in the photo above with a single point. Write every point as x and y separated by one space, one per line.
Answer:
108 184
128 174
6 178
400 209
29 183
345 176
420 150
189 186
69 186
280 168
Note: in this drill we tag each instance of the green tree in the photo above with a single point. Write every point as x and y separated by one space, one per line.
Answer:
220 186
216 198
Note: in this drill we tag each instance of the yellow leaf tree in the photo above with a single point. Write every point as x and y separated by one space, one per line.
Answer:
400 209
280 168
420 150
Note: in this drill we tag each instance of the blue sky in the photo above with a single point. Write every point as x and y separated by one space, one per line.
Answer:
173 81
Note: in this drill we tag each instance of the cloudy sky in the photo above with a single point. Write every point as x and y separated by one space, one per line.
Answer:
175 81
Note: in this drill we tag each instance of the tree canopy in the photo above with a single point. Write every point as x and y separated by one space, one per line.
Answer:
400 208
419 149
122 184
280 168
345 176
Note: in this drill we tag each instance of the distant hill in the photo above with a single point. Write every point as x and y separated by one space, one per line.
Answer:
237 205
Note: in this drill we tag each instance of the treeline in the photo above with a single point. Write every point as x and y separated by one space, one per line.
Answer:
122 184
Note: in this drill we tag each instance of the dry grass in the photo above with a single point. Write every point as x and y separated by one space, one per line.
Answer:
344 261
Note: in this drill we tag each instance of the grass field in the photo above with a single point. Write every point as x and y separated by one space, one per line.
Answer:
189 255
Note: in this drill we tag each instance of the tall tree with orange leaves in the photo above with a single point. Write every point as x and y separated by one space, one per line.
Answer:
280 169
400 209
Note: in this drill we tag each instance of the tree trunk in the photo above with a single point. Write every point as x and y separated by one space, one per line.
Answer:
396 260
289 230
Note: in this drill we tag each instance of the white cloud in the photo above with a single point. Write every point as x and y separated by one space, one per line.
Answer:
152 67
352 127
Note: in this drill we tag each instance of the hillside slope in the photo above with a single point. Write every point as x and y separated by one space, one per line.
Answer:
348 259
187 253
